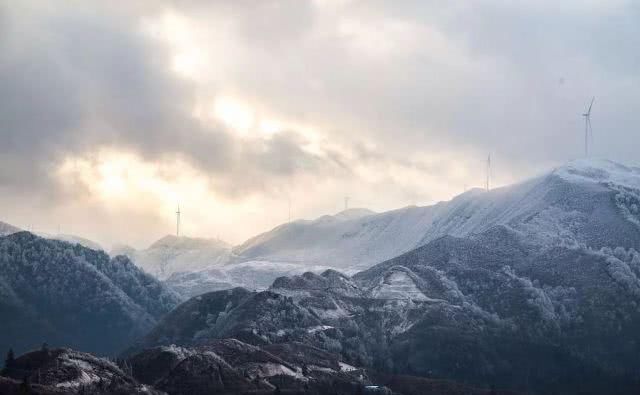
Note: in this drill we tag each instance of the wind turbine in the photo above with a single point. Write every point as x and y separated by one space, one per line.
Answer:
488 172
178 221
588 130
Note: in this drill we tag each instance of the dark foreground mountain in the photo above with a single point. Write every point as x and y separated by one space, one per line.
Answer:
490 309
66 294
224 367
64 371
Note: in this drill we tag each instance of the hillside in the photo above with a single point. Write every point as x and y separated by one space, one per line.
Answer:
590 201
486 309
66 294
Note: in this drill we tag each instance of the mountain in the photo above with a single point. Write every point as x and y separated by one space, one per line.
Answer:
173 254
67 294
589 201
226 366
489 309
229 366
64 371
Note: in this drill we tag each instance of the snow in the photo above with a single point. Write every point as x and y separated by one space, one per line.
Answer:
318 328
344 367
398 285
592 170
270 369
555 207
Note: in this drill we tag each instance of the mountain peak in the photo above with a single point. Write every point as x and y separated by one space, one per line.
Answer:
598 170
353 213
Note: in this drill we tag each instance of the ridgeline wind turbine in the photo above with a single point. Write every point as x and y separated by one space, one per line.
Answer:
488 172
588 130
178 222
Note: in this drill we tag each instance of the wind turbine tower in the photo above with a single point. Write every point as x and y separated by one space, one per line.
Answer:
588 131
178 222
346 202
488 172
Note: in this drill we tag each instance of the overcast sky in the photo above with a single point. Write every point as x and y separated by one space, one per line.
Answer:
111 115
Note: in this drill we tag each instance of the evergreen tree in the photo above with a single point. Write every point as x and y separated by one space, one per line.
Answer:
25 387
8 362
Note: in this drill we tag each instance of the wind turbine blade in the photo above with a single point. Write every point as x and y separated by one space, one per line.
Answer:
591 105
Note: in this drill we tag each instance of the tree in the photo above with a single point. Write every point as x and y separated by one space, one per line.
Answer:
9 361
25 387
45 347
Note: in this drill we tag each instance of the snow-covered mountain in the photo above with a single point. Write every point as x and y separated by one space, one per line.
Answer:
67 294
592 201
588 201
490 308
173 254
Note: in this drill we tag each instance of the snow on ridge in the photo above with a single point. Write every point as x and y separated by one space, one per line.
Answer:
600 171
397 284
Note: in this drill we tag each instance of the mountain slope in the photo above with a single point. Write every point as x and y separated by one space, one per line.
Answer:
593 202
173 254
70 295
64 371
491 308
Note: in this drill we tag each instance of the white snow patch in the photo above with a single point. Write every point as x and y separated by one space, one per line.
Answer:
345 367
398 285
318 328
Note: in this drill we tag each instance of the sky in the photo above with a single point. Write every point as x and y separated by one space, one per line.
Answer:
114 113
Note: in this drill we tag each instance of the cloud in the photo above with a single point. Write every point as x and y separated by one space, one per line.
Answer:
358 98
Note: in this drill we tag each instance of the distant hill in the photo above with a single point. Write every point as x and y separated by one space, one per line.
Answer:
591 202
173 254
